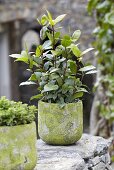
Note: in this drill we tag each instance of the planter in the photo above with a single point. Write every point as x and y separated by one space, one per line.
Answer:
17 147
60 126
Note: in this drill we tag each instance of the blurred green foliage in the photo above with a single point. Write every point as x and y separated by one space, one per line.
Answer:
104 43
15 113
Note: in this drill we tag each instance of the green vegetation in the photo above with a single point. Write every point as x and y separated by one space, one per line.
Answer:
56 67
104 33
15 113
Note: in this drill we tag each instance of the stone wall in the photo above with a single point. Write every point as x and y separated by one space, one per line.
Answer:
89 153
77 17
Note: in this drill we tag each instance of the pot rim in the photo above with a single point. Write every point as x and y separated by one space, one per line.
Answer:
21 125
78 102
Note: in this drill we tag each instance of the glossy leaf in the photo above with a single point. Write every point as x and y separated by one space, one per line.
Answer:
36 97
87 68
23 59
59 18
110 18
86 51
92 72
76 35
15 55
66 41
38 51
78 95
73 67
76 51
26 83
50 87
44 19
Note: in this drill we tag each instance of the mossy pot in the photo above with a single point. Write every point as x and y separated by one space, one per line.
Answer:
18 147
58 126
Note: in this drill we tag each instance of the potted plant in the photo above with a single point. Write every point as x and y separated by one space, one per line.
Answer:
57 69
17 135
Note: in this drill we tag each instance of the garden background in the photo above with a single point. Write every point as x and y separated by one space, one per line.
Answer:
18 25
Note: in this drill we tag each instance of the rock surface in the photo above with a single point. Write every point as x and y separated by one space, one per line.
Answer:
89 153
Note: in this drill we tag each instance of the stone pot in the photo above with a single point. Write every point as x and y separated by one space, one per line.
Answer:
17 147
58 126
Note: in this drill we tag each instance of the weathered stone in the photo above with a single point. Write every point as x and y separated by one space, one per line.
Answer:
100 166
83 155
76 163
96 160
108 167
17 147
105 158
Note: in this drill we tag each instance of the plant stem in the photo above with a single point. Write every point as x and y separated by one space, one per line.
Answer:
66 62
53 33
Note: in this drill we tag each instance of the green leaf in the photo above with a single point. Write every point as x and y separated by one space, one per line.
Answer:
36 96
44 19
50 87
23 59
47 45
82 90
54 76
26 83
76 35
73 67
91 5
86 51
32 78
15 55
49 35
24 53
87 68
103 5
51 21
49 56
110 18
47 64
57 35
43 32
75 50
59 81
59 18
78 95
92 72
66 41
55 70
65 88
38 51
31 63
38 75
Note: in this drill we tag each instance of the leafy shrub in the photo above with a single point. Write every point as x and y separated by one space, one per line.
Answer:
56 67
15 113
104 33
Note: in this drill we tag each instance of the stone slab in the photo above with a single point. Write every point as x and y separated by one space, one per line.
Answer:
86 154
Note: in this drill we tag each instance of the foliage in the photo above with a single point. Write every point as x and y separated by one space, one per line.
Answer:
15 113
104 43
56 67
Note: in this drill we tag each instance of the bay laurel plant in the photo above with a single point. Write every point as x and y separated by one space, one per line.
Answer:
15 113
56 66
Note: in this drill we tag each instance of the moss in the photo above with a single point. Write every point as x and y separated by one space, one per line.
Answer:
17 147
60 126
